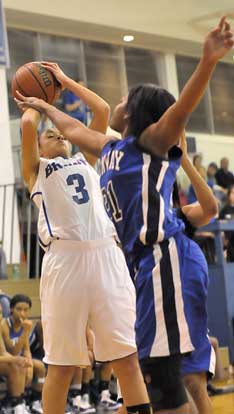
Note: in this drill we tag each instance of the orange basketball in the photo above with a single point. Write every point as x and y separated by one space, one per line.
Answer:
32 79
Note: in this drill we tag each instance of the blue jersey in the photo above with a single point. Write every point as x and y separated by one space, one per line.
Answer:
137 189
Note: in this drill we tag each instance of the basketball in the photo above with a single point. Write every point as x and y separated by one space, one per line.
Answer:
32 79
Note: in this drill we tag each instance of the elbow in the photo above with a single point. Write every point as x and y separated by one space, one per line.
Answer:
209 214
105 109
212 209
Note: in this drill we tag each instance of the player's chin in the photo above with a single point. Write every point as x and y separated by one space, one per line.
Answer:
63 152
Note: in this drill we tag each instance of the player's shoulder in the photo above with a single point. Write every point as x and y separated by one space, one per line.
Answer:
111 144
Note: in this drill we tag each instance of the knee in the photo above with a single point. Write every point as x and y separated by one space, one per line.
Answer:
128 366
195 385
39 370
58 373
15 371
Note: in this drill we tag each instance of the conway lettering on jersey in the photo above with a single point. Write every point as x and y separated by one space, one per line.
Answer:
111 160
55 166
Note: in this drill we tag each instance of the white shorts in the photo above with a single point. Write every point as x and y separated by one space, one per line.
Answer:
81 282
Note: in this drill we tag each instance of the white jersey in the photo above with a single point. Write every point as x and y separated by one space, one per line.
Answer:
68 195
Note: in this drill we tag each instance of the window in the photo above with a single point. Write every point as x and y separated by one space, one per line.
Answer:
140 66
103 69
222 95
200 119
22 47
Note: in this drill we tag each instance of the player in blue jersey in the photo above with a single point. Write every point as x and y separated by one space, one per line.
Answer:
138 174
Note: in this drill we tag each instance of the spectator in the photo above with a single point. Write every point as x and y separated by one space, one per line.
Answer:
224 177
211 172
13 368
74 106
227 213
16 330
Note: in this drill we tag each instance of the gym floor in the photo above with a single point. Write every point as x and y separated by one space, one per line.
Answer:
223 404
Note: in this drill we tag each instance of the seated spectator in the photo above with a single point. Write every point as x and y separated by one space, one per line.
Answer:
210 175
16 330
227 213
13 368
224 177
74 106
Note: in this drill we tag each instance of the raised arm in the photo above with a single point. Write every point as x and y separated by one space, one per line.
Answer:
159 137
99 108
77 133
198 214
30 152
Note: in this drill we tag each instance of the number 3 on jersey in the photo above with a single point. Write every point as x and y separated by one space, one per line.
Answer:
77 180
111 202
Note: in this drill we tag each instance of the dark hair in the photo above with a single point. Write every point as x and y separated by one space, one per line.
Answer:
20 298
195 157
213 165
146 104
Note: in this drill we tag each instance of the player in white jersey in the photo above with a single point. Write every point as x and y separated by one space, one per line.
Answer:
83 269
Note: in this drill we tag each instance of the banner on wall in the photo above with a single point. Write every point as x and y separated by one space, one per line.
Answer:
4 51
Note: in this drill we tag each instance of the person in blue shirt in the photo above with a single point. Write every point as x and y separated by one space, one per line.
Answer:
74 106
138 174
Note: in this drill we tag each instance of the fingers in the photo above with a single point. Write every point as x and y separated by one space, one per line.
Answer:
229 43
222 23
44 62
228 39
50 65
227 26
20 96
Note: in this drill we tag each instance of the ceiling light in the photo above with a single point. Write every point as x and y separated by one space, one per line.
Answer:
128 38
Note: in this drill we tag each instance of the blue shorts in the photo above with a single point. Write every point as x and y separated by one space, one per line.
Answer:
171 283
161 325
195 281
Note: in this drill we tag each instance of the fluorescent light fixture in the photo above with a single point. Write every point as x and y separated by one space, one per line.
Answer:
128 38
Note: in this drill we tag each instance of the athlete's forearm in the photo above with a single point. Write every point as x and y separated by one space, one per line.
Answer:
65 123
203 192
76 132
19 346
30 152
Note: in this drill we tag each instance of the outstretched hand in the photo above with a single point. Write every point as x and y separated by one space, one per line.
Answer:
218 42
57 72
24 103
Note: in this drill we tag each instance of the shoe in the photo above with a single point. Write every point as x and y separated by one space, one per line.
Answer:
212 390
83 404
107 403
36 407
20 409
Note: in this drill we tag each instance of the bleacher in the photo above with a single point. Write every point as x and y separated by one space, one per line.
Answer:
23 285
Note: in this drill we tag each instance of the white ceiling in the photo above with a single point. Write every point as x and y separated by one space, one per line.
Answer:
162 24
